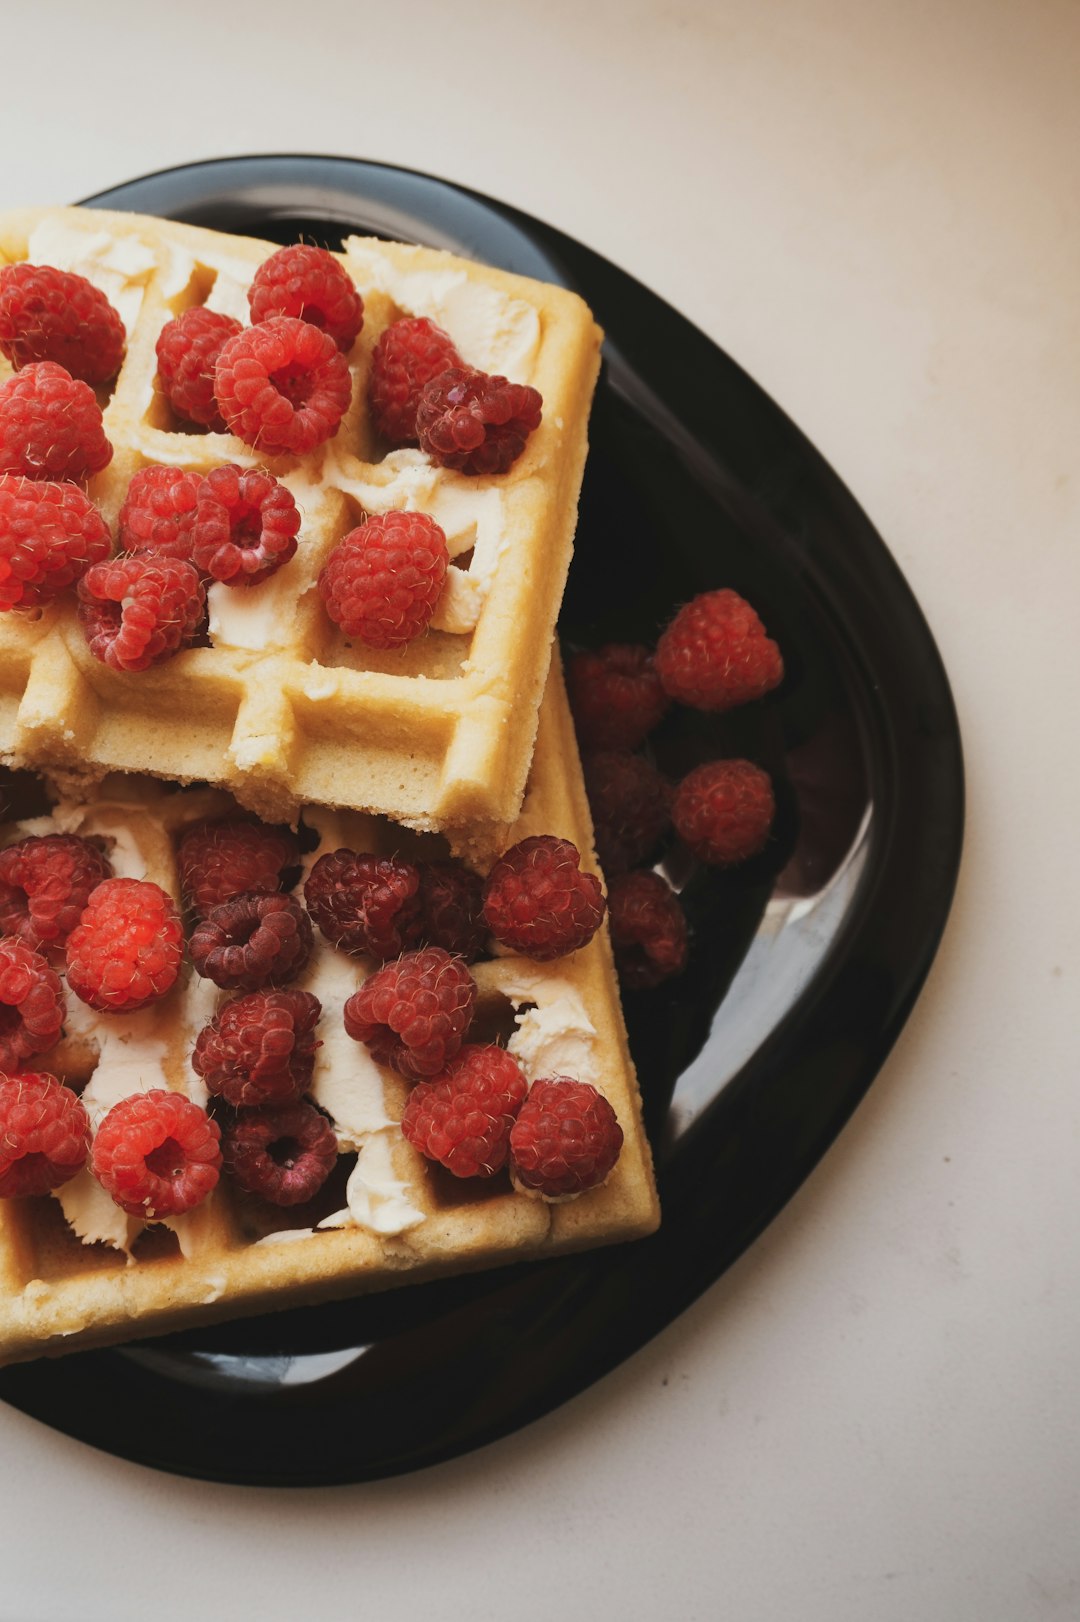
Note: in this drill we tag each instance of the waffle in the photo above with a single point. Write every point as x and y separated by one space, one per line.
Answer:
235 1254
282 709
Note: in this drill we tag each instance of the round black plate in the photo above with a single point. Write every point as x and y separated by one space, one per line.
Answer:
804 966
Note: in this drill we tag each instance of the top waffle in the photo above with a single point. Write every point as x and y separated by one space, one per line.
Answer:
282 709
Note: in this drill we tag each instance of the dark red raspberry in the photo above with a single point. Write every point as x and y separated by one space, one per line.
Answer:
50 534
125 951
45 882
413 1014
252 941
309 283
463 1118
157 1154
284 1155
538 902
282 386
475 423
565 1140
139 610
615 695
221 859
51 425
259 1049
44 1134
724 811
31 1004
48 314
410 353
648 930
715 654
159 512
382 582
246 525
452 909
631 807
187 355
365 903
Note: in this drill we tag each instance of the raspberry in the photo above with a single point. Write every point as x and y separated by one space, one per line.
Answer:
631 807
157 1154
221 859
475 423
409 354
283 1155
44 885
282 386
381 582
254 940
246 525
565 1140
615 695
187 353
48 314
309 283
463 1118
648 930
724 811
259 1049
31 1004
125 951
413 1014
51 425
137 611
50 534
538 902
715 654
365 903
44 1134
452 909
159 512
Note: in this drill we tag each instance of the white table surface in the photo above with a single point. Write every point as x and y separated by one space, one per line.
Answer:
873 207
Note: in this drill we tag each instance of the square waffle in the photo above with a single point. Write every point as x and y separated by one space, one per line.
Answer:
282 709
387 1216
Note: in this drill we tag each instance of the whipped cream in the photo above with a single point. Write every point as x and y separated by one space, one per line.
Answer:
119 266
554 1035
376 1198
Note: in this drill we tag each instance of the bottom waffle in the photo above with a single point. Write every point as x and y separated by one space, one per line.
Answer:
77 1272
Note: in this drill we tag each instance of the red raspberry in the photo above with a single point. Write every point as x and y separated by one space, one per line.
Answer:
259 1049
252 941
283 1155
648 930
187 354
309 283
475 423
282 386
137 611
724 811
413 1014
365 903
615 695
50 534
538 902
452 909
463 1118
715 654
125 951
157 1154
159 512
44 1134
409 354
565 1140
631 807
31 1004
48 314
381 583
246 525
221 859
44 885
51 425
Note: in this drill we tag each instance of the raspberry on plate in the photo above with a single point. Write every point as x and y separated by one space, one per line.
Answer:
159 512
648 929
157 1154
283 1155
413 1013
382 582
463 1118
139 610
125 951
50 534
51 425
45 882
44 1134
246 525
282 386
631 807
452 909
252 941
615 695
715 654
259 1049
537 900
31 1004
56 315
565 1140
187 353
476 423
222 858
365 903
724 811
409 354
309 283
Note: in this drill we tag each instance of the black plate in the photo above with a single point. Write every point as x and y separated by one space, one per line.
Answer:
804 966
